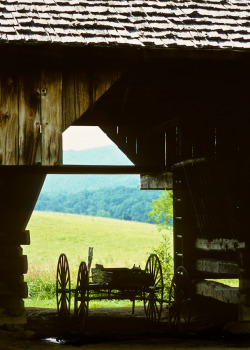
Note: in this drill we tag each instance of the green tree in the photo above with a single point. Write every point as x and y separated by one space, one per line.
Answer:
162 210
162 215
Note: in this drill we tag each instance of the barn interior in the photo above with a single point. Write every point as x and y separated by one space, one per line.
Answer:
180 115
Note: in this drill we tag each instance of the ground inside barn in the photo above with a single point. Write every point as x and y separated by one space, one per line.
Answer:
117 328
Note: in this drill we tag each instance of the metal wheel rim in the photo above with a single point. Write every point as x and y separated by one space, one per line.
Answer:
179 300
63 291
82 296
153 299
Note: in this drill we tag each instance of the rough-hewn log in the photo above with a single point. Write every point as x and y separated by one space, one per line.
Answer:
12 306
14 289
15 238
8 251
162 181
5 318
219 244
17 265
218 267
218 291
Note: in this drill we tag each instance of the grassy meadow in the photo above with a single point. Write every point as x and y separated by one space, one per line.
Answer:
116 243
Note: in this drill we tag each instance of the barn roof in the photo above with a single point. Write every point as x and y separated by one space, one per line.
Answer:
216 24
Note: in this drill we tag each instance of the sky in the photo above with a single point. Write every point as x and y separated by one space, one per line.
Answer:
83 137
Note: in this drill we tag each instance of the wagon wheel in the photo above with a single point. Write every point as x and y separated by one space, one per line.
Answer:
180 300
153 297
82 296
63 286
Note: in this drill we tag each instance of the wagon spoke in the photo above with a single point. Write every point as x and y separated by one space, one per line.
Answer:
63 284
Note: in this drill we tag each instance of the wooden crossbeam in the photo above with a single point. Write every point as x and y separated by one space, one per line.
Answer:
82 169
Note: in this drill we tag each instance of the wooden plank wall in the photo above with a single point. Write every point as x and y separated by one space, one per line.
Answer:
37 105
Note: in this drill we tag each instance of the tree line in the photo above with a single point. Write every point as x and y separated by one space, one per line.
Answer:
126 203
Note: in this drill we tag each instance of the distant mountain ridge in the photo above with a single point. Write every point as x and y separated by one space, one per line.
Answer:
107 155
114 196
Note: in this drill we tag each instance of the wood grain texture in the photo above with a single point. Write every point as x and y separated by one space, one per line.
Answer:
162 181
218 267
91 84
69 102
218 291
29 118
8 119
51 115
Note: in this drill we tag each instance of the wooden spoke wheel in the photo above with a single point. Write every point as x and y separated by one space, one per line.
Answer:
63 291
153 296
82 296
180 300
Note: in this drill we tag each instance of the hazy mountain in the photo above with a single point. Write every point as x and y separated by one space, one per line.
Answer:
108 155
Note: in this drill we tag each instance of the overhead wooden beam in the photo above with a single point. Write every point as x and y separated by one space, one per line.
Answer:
162 181
81 169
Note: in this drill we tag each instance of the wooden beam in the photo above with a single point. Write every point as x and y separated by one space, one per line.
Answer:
81 169
162 181
219 244
218 291
218 267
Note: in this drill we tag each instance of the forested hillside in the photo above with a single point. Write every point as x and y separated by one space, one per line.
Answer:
114 196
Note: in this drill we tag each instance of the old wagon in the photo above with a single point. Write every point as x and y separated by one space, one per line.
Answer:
134 284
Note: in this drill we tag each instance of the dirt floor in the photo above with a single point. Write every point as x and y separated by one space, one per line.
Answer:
116 328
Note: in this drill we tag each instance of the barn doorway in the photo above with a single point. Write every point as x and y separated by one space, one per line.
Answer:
107 212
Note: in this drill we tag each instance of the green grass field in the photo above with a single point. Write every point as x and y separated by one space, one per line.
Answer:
116 243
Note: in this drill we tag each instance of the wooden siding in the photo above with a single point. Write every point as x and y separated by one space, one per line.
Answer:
37 105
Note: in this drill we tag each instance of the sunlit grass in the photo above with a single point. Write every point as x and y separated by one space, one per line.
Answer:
116 243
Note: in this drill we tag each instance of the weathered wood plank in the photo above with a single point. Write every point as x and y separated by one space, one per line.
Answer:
91 84
218 291
8 119
83 99
218 267
68 96
29 118
220 244
51 115
157 182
